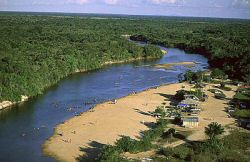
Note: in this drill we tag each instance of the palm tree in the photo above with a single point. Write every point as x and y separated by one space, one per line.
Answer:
213 129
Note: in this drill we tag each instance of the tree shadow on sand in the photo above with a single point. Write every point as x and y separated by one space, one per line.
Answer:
143 112
170 98
91 152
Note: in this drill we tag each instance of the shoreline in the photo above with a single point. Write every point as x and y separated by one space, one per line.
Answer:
170 65
46 147
24 98
9 104
107 122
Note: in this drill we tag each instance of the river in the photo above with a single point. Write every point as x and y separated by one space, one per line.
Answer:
24 128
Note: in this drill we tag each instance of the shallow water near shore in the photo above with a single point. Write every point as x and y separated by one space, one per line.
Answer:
24 128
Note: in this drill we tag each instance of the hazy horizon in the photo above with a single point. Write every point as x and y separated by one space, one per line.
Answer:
183 8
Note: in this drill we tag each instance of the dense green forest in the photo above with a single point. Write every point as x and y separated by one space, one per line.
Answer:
37 51
224 43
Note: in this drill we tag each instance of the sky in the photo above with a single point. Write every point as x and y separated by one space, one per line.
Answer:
194 8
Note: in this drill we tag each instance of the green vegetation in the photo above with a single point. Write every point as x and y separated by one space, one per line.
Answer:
220 96
217 93
171 135
218 74
241 102
160 110
225 43
214 90
37 51
243 94
179 96
242 113
213 130
226 88
191 76
126 144
234 147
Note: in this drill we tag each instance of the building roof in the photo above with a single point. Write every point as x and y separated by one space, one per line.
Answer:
190 119
189 101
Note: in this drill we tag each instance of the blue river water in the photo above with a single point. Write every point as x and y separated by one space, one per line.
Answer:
24 128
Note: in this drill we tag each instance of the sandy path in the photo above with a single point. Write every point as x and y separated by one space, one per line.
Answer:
106 124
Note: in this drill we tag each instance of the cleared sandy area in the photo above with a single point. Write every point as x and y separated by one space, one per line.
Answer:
129 116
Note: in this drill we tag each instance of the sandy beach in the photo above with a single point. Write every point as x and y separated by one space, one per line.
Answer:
170 65
129 116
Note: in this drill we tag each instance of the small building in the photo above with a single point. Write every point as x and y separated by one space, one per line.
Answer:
190 121
188 103
193 97
230 109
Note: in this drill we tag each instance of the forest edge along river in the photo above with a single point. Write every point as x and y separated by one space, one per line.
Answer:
24 128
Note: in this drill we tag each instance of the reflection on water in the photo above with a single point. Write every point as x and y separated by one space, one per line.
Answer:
23 129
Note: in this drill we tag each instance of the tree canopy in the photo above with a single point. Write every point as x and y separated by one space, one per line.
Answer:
36 51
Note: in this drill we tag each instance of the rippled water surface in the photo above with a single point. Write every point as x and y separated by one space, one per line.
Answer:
24 129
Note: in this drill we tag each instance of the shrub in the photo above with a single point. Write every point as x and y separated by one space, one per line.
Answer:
126 144
207 78
222 85
180 95
167 151
198 93
180 152
183 152
217 73
214 146
220 96
242 113
203 157
169 133
213 90
191 76
226 88
160 110
111 154
161 123
229 155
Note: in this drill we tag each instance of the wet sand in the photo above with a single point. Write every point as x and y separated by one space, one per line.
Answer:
170 65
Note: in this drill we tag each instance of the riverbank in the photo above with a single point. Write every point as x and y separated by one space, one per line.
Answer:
107 122
6 104
9 104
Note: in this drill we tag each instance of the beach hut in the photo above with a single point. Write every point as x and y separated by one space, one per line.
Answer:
190 103
193 97
182 106
190 121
